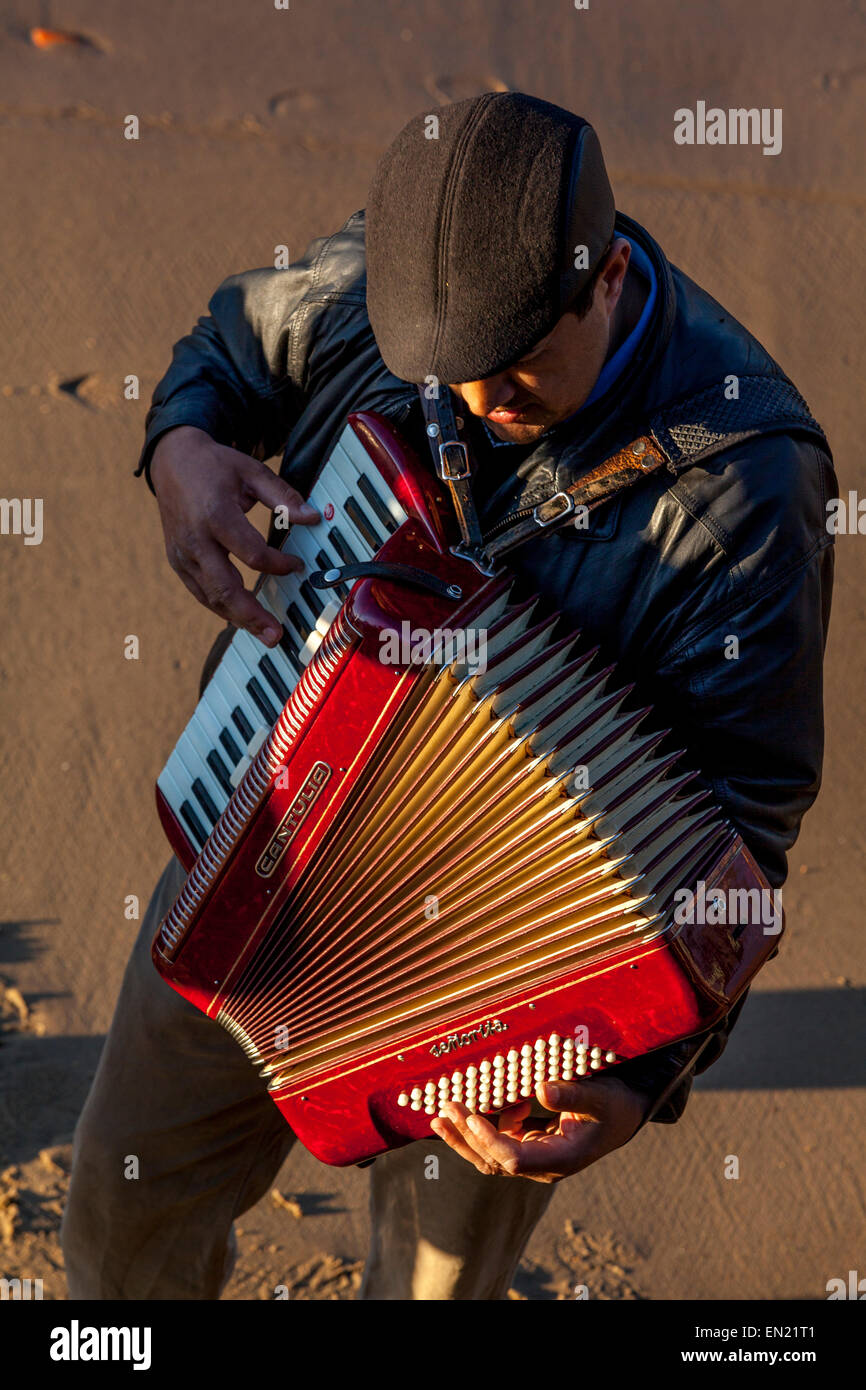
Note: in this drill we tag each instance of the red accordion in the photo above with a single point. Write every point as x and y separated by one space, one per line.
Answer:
449 864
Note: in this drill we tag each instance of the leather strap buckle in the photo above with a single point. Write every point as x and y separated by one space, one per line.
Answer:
453 464
547 513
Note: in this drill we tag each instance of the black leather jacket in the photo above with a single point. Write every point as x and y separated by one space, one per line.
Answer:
663 575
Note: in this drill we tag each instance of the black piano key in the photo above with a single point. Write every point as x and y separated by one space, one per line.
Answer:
342 547
274 679
202 796
315 602
228 743
220 771
298 621
193 825
355 512
261 700
243 725
369 493
290 652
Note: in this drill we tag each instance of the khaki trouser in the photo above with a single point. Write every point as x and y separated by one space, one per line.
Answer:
175 1091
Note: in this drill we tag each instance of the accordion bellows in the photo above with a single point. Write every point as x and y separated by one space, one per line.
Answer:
449 879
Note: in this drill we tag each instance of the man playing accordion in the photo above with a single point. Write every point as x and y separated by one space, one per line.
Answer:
490 259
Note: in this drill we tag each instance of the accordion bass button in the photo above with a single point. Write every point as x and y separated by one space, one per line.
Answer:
416 1105
402 1099
610 1056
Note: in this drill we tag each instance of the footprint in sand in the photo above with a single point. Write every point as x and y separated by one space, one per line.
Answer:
90 389
292 100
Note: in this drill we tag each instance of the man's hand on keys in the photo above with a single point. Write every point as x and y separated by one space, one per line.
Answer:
204 491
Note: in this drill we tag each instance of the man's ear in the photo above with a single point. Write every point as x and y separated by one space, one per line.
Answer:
613 275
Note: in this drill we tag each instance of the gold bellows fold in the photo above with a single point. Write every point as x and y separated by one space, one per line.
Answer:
512 822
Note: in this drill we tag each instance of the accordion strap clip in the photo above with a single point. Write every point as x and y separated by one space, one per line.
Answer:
380 569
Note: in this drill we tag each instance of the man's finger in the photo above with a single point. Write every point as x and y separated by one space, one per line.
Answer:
241 539
577 1097
275 492
194 588
510 1121
499 1150
447 1131
225 594
605 1107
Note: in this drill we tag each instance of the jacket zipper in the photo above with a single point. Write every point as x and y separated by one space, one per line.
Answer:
507 522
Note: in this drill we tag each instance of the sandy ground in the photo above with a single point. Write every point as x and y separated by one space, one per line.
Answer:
261 127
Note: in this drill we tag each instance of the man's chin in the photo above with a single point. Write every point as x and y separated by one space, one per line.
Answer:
515 433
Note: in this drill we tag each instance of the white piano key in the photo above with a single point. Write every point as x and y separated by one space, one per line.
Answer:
310 647
249 649
252 749
348 472
214 699
240 770
350 454
327 616
274 594
193 752
257 740
176 776
239 668
174 791
238 697
344 523
202 736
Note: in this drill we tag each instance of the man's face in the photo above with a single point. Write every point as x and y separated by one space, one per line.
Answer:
554 379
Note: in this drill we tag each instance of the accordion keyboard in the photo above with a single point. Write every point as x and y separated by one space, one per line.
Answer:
253 682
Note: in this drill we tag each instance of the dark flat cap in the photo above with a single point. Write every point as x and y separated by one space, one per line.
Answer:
471 236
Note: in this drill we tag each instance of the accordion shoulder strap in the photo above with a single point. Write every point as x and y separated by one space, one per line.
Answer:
453 463
681 434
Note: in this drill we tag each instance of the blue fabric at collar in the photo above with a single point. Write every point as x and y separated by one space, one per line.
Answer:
617 364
